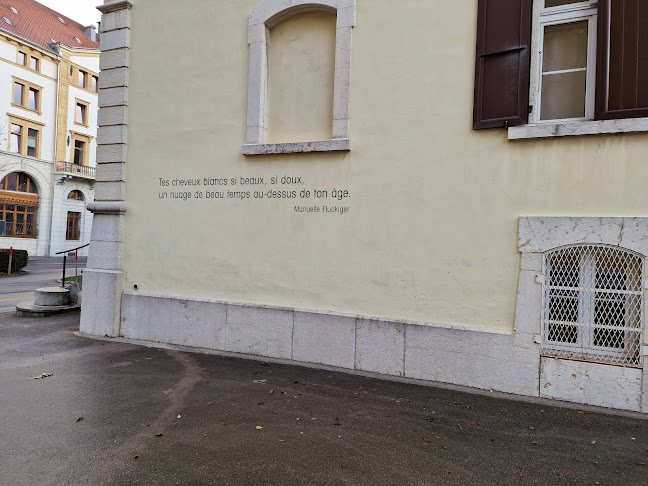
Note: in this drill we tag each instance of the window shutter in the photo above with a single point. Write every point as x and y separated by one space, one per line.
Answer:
622 64
502 63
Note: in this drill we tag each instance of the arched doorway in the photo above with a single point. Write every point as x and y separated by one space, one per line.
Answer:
19 205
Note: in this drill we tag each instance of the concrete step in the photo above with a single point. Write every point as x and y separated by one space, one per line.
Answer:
30 309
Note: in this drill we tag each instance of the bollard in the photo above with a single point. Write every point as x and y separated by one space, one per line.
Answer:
10 258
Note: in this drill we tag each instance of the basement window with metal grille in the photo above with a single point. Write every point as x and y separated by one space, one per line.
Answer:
593 304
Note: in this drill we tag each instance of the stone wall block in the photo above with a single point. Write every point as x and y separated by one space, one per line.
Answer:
259 331
531 262
100 313
114 59
109 154
111 172
113 96
113 78
108 227
113 115
380 347
528 313
109 191
115 39
119 19
105 255
490 361
114 134
592 384
190 323
324 339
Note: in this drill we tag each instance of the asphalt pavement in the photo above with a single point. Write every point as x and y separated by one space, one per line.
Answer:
115 413
41 272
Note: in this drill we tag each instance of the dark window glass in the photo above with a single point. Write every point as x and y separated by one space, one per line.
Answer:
79 149
18 94
15 141
33 99
32 142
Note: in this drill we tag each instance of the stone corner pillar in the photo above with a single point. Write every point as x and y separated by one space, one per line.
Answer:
103 278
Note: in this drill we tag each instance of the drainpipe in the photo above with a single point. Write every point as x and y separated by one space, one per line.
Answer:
56 124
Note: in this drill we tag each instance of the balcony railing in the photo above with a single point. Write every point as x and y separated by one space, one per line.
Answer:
75 170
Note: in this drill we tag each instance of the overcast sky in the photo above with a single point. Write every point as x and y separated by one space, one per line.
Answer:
83 11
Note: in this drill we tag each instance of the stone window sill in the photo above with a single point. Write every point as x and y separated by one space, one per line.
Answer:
336 145
575 128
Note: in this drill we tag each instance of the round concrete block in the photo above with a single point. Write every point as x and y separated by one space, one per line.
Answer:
52 296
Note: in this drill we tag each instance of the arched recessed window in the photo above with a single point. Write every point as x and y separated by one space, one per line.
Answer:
19 205
330 106
593 304
76 195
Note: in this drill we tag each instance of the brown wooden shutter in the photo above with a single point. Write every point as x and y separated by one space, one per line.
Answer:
503 63
622 64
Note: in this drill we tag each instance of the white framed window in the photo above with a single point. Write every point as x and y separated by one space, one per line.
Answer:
566 82
593 304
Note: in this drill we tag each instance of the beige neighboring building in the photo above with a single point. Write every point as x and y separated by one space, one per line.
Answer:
449 194
49 67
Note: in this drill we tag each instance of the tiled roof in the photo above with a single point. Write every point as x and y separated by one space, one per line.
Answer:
40 25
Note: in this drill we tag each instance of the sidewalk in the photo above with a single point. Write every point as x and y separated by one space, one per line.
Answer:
114 413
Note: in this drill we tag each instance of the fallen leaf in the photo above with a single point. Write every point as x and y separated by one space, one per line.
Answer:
280 440
179 416
460 427
210 403
42 375
581 412
270 392
593 442
79 419
135 457
158 435
534 443
313 419
258 427
531 427
297 418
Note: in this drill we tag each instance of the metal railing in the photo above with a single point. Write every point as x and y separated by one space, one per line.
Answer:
65 255
69 168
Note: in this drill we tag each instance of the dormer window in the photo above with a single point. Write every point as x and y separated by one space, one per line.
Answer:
61 20
7 21
13 10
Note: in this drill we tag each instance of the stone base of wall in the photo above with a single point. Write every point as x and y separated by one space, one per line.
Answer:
488 360
506 362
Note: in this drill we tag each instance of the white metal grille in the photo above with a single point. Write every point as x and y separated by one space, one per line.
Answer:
593 304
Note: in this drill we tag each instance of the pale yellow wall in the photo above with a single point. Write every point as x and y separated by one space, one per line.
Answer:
301 67
432 229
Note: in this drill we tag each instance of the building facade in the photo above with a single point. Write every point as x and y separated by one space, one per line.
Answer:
49 67
446 194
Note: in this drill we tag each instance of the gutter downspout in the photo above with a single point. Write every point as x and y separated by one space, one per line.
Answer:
56 127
